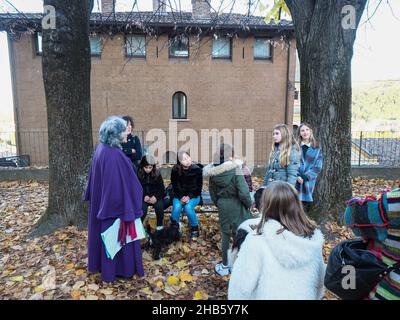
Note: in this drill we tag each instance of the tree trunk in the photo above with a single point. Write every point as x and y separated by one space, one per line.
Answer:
66 74
325 49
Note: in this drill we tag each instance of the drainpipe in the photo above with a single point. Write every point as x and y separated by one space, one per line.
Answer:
287 84
14 93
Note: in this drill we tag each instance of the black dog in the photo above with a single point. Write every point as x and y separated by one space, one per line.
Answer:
162 238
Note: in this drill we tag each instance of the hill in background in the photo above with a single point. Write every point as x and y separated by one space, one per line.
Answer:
376 105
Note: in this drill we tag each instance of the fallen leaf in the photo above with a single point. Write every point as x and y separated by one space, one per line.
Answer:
181 264
170 291
106 291
78 285
93 287
69 266
146 290
200 295
17 279
172 280
39 289
184 276
75 294
79 272
205 271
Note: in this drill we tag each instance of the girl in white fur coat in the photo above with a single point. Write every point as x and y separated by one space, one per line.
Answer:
282 258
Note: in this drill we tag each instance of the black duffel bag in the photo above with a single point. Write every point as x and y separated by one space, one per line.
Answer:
369 270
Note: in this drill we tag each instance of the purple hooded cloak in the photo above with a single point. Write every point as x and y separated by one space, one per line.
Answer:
113 191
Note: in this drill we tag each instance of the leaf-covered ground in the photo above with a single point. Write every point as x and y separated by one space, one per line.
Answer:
54 266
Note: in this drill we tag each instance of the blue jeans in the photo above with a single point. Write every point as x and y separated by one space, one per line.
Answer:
189 209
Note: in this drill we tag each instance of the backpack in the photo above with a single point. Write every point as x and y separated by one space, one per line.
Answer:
367 268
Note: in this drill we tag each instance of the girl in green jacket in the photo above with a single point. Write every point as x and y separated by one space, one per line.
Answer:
230 193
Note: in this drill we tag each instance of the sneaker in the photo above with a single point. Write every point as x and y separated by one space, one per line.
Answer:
194 234
222 269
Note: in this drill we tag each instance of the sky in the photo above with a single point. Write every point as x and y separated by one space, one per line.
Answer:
376 50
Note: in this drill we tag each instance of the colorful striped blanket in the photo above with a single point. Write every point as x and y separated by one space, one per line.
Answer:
378 221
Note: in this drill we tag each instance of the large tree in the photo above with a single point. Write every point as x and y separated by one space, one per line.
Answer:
325 33
66 68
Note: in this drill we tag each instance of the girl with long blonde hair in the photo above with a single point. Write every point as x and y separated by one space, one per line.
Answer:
284 159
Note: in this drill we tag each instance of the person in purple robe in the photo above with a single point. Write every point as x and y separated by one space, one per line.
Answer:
113 191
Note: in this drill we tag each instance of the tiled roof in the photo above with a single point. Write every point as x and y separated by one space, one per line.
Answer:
150 19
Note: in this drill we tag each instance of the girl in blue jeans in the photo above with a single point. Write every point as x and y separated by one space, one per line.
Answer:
187 183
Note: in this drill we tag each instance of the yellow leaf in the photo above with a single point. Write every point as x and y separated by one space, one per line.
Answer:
146 290
17 279
39 289
186 249
200 295
69 266
182 285
160 284
75 294
172 280
184 276
79 272
171 251
181 264
7 272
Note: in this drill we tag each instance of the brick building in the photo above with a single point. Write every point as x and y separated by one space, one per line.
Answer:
193 69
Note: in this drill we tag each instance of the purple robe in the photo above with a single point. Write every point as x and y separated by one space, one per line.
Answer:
113 191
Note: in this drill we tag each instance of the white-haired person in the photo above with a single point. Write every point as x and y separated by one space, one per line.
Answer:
113 191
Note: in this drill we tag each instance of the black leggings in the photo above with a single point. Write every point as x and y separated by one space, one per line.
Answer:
158 208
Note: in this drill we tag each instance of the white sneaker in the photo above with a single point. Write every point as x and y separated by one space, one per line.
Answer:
222 269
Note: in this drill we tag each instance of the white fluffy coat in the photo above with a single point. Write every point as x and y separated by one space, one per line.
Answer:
275 266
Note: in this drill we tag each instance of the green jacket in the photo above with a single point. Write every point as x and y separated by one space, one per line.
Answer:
229 191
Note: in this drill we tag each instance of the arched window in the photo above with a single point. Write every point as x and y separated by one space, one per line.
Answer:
179 106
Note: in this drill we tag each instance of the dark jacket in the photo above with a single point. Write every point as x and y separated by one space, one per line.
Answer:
152 186
229 191
133 142
189 183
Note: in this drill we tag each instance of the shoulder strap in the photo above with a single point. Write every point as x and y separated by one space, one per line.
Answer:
391 268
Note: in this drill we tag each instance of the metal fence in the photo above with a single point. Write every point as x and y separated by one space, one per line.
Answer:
368 148
379 148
